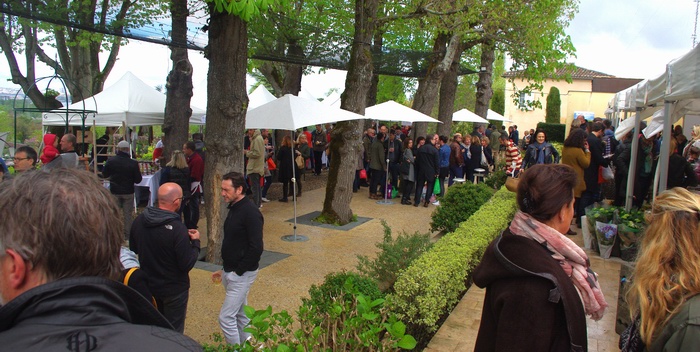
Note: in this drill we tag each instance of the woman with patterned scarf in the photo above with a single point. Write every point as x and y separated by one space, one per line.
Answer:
539 284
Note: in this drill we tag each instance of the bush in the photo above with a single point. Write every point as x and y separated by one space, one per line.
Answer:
496 179
460 202
334 286
553 109
432 285
556 132
394 255
351 321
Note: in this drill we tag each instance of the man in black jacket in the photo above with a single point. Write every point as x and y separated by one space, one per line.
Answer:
59 262
590 174
167 251
123 172
428 162
240 250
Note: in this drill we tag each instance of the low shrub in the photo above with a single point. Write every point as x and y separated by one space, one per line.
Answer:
496 179
432 285
458 204
350 321
556 132
334 285
395 254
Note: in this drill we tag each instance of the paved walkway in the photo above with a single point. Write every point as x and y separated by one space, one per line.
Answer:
283 283
459 331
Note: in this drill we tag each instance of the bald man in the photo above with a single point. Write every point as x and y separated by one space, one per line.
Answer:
167 251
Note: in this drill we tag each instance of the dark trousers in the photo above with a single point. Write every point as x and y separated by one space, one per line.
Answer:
356 181
285 189
191 211
407 189
394 174
420 181
174 308
317 162
268 183
455 172
378 179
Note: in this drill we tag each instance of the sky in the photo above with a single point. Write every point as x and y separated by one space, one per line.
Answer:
624 38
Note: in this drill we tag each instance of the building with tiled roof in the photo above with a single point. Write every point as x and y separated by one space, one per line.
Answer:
589 91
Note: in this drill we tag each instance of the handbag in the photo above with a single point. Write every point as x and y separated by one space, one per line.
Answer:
271 164
300 161
605 174
436 187
363 174
484 161
512 182
631 339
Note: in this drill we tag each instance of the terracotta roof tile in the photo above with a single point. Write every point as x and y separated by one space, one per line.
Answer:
575 72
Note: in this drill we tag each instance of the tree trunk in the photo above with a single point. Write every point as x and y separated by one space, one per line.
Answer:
291 84
483 86
179 86
226 108
426 94
448 90
345 139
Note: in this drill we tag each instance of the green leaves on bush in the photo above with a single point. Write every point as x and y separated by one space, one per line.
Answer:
496 179
460 202
431 286
394 256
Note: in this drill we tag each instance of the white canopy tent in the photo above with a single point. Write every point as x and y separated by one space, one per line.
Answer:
333 100
129 101
678 92
291 112
465 115
393 111
492 115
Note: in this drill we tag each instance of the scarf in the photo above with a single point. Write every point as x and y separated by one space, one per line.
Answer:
540 153
571 257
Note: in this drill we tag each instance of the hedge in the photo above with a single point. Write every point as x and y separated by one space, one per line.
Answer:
432 284
556 132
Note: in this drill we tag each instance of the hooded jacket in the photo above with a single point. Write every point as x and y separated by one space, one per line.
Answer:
256 155
165 250
83 314
50 152
530 303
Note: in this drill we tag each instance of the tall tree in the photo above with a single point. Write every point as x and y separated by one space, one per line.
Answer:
345 138
227 101
179 84
553 111
77 47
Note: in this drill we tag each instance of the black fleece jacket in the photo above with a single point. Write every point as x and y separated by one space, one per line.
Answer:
165 251
243 237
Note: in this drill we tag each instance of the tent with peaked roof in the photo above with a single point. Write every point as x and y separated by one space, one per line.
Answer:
129 101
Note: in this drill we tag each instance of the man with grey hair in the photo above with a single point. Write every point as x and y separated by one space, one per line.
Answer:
167 251
59 259
123 172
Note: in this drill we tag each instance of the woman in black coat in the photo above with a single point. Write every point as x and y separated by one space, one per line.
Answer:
285 166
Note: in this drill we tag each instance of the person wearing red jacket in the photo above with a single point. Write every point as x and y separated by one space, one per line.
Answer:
50 148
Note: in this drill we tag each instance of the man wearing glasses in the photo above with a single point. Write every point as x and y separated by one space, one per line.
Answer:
25 159
167 251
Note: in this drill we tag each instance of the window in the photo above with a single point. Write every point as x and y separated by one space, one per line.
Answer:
525 101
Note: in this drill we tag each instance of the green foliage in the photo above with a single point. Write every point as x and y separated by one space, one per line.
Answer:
334 286
556 132
394 256
28 127
432 285
553 111
350 321
498 101
245 9
460 202
496 179
392 88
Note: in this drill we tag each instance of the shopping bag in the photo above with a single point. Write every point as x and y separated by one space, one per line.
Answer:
363 174
436 187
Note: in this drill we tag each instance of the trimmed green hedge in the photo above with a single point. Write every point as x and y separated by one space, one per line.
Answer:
556 132
432 284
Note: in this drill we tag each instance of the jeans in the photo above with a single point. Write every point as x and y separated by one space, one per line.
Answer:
255 188
455 172
232 319
317 161
268 183
191 211
125 202
174 308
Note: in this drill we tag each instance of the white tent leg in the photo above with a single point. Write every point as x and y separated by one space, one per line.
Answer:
631 174
662 166
385 200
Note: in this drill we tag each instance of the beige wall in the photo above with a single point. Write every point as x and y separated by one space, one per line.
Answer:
575 96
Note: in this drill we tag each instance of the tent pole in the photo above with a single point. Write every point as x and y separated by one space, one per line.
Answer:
665 152
629 195
386 183
294 237
94 147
